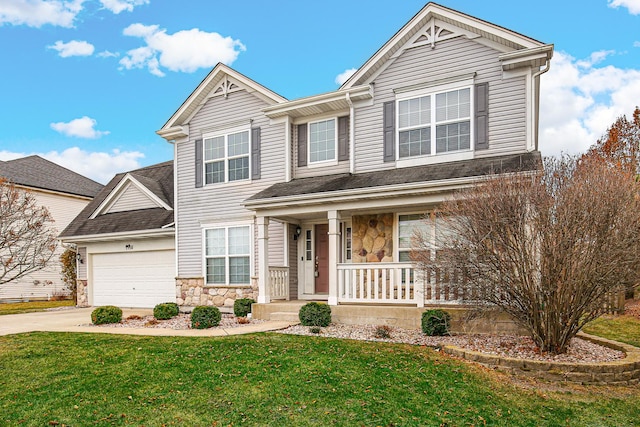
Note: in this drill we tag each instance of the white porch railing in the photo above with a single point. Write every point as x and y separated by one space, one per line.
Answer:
279 282
393 283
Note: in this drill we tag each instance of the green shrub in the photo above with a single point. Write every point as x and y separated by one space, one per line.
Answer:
315 329
315 314
165 310
205 316
242 307
436 322
106 314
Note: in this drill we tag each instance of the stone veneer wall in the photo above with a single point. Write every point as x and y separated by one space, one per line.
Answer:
191 292
372 238
82 296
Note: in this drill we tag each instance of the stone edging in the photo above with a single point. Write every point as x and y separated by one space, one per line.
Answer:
622 372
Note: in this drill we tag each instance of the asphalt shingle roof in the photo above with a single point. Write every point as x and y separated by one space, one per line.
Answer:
157 178
36 172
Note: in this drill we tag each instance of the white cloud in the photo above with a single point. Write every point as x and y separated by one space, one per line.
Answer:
636 44
107 54
99 166
36 13
184 51
83 127
117 6
73 48
632 5
579 101
344 76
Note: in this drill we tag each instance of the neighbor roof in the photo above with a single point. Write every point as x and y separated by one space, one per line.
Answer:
156 178
36 172
329 184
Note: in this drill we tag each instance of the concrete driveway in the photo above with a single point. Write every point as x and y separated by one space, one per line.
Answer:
79 320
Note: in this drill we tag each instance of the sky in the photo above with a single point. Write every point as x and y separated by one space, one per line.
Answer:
87 83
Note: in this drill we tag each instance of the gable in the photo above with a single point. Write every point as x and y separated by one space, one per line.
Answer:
130 195
131 198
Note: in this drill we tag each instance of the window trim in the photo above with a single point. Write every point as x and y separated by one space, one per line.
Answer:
328 162
251 254
433 156
225 133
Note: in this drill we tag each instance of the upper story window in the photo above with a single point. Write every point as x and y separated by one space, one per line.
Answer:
322 141
226 157
443 117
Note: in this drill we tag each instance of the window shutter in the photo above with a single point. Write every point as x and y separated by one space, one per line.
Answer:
199 163
343 138
302 145
389 129
255 153
482 112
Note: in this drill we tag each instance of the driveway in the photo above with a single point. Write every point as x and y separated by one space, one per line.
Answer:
79 320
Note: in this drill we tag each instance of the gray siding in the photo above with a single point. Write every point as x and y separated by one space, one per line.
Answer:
507 121
276 244
132 198
82 267
221 202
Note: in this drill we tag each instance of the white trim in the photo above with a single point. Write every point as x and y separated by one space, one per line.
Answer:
337 99
225 227
328 162
288 151
225 133
122 235
120 189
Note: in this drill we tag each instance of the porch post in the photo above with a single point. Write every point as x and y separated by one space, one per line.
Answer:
264 291
334 256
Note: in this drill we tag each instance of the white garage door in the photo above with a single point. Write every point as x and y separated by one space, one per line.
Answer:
134 279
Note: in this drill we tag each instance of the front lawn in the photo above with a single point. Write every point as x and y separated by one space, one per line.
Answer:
272 380
618 328
28 307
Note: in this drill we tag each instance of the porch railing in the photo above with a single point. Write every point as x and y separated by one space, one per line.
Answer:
394 283
279 282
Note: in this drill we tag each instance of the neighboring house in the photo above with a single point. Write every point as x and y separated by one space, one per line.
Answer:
64 193
316 198
125 240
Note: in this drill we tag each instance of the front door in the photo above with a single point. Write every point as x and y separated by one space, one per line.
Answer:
321 271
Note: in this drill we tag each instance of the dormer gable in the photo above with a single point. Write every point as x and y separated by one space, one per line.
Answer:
221 81
133 193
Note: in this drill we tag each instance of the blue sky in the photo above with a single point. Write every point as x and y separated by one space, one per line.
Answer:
86 83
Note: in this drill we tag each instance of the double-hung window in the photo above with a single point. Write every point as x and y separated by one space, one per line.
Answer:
226 157
228 255
323 136
434 123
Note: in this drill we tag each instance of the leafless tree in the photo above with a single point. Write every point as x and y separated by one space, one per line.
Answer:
27 239
546 248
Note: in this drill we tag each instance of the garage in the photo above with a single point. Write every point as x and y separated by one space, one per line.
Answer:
133 279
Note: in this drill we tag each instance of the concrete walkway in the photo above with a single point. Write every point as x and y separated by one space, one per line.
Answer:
79 320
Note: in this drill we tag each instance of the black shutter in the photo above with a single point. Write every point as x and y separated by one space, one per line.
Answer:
389 129
343 138
482 113
255 153
302 145
199 164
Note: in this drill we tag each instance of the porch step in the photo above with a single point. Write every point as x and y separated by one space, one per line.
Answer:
285 316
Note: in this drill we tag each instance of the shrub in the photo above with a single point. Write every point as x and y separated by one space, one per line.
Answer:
383 331
435 322
106 314
205 316
315 314
315 329
242 307
166 310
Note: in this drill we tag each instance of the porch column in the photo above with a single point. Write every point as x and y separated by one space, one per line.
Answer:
264 290
334 256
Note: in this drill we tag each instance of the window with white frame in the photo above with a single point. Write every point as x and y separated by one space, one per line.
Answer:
323 136
433 227
442 117
226 157
228 255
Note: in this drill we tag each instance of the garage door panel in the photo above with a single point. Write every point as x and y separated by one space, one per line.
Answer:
133 279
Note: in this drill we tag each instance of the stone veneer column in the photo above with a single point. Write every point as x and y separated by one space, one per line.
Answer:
82 296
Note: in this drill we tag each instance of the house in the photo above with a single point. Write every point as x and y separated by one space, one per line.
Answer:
316 198
64 193
125 240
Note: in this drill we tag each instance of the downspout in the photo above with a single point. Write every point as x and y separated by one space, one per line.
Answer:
536 82
352 145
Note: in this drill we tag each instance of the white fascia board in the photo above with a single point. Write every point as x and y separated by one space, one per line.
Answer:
115 194
360 92
175 132
53 192
124 235
526 57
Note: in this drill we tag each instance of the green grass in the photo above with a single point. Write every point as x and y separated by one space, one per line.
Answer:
274 380
29 307
618 328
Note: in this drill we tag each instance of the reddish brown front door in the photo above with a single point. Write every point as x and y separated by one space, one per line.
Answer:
322 259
